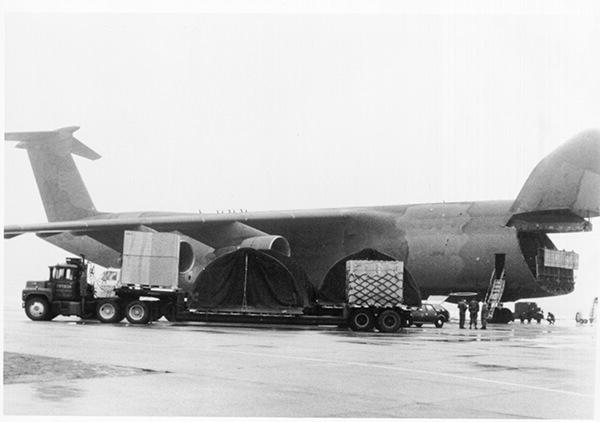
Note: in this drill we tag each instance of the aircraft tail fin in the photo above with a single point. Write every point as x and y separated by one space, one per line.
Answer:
61 187
563 189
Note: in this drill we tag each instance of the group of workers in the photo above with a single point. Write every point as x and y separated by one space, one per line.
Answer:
473 307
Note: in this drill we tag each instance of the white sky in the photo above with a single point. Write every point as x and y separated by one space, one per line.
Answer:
267 111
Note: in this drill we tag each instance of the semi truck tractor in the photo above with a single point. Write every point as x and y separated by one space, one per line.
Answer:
243 286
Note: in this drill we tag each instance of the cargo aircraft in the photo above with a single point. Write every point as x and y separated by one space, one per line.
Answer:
448 247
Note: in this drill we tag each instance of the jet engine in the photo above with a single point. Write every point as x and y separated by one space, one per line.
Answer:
273 243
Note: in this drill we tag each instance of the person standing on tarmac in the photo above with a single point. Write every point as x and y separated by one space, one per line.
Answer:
484 315
462 312
473 311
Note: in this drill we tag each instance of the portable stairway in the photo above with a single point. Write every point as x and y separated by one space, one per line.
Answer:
494 293
594 310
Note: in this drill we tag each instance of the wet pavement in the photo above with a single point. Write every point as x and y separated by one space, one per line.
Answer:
507 371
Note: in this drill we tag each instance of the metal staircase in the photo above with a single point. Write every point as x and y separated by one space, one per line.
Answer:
494 293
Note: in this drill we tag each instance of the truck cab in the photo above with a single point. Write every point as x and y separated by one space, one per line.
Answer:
65 292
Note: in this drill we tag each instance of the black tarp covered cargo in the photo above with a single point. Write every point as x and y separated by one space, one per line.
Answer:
297 272
333 288
248 280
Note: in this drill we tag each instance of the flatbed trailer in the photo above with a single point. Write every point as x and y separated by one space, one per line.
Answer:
374 301
173 305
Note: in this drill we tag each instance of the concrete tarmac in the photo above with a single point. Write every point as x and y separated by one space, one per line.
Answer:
194 369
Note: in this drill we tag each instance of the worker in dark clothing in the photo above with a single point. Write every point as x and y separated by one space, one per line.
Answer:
550 318
484 315
473 311
462 312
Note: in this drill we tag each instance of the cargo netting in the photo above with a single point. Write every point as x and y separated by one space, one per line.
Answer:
374 283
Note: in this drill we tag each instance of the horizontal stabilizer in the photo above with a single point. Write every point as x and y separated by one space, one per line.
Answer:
563 189
11 235
59 140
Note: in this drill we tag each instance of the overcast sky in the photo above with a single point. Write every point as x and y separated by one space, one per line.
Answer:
263 111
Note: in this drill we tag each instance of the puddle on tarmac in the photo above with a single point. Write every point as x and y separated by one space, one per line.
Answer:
54 392
496 367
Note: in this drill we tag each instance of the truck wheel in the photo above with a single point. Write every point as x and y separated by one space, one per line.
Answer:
388 321
362 320
137 312
439 323
38 309
108 311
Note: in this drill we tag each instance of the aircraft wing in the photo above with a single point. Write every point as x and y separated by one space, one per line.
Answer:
182 222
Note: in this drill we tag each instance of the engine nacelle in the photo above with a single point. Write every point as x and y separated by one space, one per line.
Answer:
194 256
274 243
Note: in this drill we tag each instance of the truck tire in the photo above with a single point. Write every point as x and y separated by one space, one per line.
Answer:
439 323
361 320
389 321
38 309
137 312
108 311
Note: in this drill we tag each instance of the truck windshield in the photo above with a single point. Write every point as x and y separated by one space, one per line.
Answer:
62 273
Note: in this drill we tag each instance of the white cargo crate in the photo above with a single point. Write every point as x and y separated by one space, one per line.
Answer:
374 283
150 259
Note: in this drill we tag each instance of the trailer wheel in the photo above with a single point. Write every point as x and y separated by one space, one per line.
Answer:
38 309
388 321
361 320
108 311
439 323
137 312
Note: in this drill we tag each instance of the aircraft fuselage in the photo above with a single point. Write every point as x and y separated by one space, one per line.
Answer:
446 246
